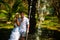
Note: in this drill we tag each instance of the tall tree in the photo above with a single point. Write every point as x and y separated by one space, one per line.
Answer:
32 3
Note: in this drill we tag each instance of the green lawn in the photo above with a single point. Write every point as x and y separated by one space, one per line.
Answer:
2 15
7 26
51 23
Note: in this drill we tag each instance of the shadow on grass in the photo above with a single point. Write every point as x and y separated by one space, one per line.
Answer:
51 34
5 34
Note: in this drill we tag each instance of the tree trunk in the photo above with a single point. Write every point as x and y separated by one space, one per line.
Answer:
32 16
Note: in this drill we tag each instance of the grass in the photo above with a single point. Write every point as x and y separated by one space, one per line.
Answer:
2 15
7 26
51 23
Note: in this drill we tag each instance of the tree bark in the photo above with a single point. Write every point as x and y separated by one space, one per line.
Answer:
32 16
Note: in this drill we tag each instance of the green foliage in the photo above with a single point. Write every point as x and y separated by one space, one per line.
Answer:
6 5
2 15
41 1
3 11
16 4
15 8
48 18
51 10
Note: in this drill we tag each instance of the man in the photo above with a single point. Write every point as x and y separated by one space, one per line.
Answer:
24 23
20 30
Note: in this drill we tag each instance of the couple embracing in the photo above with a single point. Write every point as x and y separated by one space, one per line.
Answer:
21 25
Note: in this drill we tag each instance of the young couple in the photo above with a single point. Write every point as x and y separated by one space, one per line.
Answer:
21 25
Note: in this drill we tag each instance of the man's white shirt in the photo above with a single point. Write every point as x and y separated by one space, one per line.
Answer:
23 24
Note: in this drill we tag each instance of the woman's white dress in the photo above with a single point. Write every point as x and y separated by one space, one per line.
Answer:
15 34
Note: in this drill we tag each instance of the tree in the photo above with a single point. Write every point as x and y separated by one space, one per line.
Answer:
32 15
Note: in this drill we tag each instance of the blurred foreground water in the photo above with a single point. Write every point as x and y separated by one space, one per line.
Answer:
43 34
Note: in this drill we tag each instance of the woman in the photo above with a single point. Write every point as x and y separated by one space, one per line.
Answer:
15 32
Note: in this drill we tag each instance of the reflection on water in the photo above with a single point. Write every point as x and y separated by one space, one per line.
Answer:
43 34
